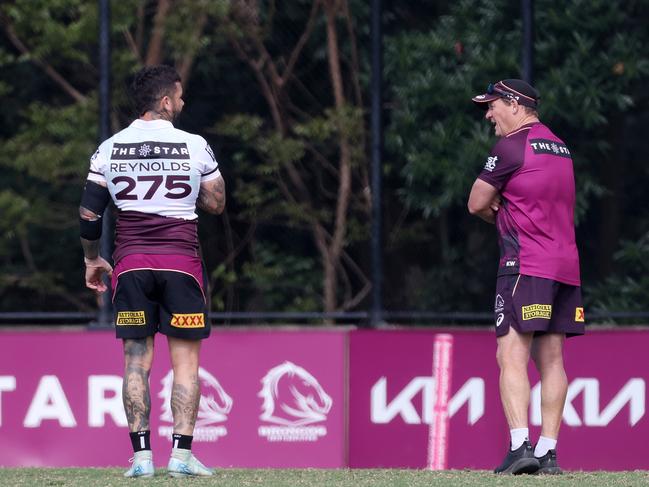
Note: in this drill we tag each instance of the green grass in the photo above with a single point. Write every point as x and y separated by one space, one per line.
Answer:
108 477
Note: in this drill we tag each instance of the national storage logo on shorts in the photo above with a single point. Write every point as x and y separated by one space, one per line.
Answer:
130 318
189 320
543 311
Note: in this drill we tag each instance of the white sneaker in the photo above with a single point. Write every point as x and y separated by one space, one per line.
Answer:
184 464
142 465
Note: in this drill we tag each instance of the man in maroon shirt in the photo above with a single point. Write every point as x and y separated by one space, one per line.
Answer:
527 189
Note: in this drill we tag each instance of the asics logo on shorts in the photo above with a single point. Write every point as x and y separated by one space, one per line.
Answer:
500 319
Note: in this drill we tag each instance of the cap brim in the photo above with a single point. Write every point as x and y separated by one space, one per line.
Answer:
485 98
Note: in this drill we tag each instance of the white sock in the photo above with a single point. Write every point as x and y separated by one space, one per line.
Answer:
181 453
544 445
518 437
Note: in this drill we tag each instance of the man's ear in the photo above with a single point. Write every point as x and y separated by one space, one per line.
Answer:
515 106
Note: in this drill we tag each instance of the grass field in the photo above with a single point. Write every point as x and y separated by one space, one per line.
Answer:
108 477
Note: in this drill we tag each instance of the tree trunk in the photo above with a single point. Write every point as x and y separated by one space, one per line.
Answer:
154 53
345 174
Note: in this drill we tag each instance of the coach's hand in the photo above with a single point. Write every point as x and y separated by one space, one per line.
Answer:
95 269
495 203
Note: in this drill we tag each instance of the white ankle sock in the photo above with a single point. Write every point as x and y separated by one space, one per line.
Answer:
518 437
544 445
181 454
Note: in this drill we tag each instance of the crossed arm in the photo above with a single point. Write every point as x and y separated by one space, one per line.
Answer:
484 201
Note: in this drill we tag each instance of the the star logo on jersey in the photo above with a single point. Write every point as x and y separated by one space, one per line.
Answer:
490 165
144 150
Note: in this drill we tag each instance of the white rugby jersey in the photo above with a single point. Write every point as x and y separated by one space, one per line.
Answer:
153 167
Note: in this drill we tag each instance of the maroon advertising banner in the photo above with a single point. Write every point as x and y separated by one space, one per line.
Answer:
406 398
268 399
393 408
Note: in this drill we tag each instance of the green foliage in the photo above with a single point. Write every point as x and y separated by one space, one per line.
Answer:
264 157
42 181
49 151
434 127
283 281
223 278
13 208
57 29
627 288
267 162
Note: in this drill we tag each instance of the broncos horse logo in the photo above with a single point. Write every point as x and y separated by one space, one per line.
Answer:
214 405
293 397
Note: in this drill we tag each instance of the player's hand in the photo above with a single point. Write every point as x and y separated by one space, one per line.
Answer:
495 204
95 269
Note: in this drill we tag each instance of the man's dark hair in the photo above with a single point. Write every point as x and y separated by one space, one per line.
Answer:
152 83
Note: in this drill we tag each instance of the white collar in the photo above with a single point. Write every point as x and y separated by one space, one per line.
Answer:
151 124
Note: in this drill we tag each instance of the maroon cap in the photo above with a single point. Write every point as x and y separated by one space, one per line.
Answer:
513 89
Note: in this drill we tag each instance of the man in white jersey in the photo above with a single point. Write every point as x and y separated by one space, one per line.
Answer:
157 175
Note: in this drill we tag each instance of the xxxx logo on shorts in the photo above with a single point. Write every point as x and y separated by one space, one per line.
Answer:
130 318
579 315
190 320
543 311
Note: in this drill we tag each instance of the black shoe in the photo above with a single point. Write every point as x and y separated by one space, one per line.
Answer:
548 464
519 461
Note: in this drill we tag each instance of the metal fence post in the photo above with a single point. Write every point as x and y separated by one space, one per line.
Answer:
105 316
376 312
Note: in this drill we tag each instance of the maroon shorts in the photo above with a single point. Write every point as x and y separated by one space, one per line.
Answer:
535 304
160 293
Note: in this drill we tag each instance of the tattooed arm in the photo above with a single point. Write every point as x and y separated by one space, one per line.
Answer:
211 196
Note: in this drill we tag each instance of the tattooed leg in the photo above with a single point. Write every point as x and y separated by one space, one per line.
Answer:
186 391
138 355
